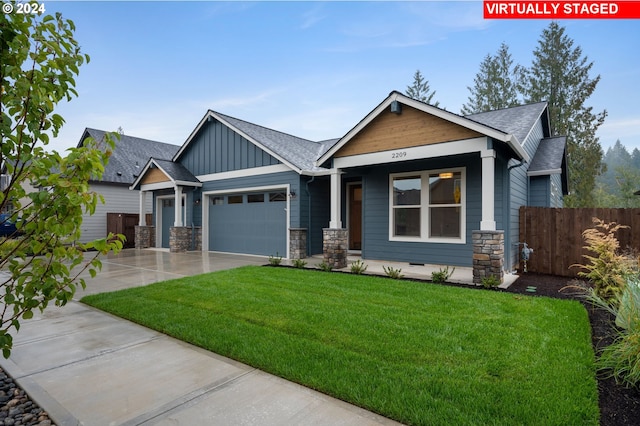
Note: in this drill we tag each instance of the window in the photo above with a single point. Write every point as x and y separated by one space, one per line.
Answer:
234 199
255 198
167 202
427 206
277 196
216 201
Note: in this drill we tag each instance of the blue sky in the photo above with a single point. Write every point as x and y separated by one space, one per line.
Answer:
311 69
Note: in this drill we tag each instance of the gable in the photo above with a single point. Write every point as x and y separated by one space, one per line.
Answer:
154 175
411 128
216 148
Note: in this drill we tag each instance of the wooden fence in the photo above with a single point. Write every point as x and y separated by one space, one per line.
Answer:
125 223
555 235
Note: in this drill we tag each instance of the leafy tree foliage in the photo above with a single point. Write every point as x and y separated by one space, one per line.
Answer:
39 60
559 74
495 84
420 90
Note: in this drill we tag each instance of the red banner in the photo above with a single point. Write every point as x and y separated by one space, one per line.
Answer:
501 9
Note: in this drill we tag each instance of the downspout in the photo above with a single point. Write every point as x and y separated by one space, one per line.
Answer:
509 168
309 215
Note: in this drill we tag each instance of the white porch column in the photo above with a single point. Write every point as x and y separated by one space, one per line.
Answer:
143 201
336 195
488 222
178 206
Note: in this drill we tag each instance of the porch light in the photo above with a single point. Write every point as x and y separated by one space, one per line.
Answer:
446 175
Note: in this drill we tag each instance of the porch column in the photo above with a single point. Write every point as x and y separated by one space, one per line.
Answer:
336 196
488 222
178 207
143 202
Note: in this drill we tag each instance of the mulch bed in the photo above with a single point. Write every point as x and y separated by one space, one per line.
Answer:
619 405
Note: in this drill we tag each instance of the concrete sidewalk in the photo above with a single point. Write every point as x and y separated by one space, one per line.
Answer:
84 366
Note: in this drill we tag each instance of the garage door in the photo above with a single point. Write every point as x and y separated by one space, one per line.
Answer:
253 223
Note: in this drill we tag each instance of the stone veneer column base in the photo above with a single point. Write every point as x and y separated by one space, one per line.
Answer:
334 247
179 239
297 243
145 236
488 255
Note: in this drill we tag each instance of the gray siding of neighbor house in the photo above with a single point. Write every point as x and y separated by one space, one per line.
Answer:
117 199
520 195
216 148
376 244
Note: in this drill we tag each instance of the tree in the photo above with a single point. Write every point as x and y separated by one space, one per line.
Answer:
495 84
39 60
420 90
559 75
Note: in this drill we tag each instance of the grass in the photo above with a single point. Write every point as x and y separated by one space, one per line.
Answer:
418 353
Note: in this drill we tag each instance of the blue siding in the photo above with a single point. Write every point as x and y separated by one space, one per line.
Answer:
319 194
557 198
216 148
540 191
376 244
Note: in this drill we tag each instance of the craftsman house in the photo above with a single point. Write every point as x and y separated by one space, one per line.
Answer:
410 182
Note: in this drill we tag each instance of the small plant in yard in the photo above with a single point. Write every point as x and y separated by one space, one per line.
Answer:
299 263
393 273
275 260
621 359
324 266
358 267
607 269
491 281
442 275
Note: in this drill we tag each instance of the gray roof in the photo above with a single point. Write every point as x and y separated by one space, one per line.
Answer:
301 153
130 156
518 120
549 156
176 171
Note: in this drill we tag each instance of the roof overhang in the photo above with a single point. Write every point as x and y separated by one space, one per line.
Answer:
171 183
498 135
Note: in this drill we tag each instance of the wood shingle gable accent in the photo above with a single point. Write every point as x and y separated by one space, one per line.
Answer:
154 176
412 128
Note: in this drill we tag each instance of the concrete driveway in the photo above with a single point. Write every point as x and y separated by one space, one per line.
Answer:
84 366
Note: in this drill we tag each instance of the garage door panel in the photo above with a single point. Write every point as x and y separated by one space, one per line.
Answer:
252 228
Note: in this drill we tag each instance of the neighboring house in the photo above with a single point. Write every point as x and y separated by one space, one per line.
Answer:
410 182
125 164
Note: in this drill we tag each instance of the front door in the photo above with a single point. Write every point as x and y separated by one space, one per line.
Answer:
355 216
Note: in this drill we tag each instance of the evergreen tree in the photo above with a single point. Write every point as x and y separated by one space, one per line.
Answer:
495 84
420 90
559 74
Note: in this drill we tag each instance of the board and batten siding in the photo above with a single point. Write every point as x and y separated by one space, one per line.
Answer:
216 148
376 243
520 195
117 199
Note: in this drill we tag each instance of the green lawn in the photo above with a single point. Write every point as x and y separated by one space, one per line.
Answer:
416 352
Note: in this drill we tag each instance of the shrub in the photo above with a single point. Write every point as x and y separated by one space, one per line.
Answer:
491 281
393 273
275 260
324 266
442 275
358 267
606 269
621 359
299 263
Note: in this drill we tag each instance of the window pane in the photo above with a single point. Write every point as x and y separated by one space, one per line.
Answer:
406 191
217 201
444 188
234 199
445 222
406 222
277 196
255 198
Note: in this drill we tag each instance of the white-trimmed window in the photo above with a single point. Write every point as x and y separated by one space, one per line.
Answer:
427 206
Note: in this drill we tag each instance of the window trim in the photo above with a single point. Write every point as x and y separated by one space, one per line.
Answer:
425 207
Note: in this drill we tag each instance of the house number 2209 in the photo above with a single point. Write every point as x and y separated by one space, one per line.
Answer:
399 154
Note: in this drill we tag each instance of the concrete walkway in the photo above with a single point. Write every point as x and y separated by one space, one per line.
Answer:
84 366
